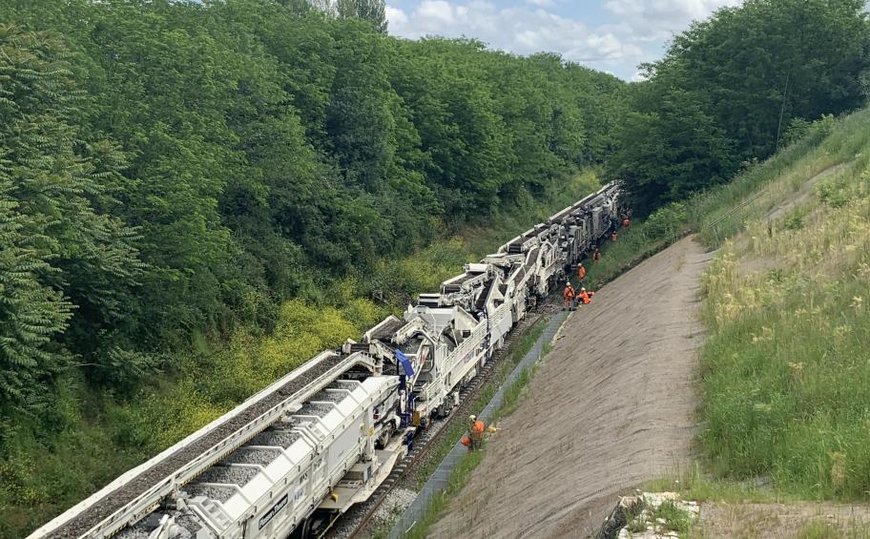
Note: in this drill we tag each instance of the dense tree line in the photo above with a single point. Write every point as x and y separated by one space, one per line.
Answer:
729 88
171 167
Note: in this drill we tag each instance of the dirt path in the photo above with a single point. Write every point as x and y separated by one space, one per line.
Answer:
609 408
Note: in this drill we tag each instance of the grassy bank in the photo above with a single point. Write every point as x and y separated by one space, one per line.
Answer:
786 369
87 438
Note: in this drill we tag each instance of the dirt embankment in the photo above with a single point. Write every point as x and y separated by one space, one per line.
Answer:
610 407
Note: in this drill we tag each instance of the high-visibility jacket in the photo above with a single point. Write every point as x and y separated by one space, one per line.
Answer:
477 429
569 293
596 256
581 272
586 297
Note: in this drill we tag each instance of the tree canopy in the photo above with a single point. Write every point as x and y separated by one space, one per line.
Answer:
729 87
172 168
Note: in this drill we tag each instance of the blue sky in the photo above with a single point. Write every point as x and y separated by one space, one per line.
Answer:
610 35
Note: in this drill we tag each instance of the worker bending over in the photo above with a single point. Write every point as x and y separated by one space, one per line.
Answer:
476 428
568 295
585 297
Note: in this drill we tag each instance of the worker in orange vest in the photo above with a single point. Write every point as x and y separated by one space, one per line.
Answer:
626 222
568 295
585 297
614 235
475 431
596 256
581 272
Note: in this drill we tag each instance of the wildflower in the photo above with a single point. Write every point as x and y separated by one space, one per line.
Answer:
842 331
797 369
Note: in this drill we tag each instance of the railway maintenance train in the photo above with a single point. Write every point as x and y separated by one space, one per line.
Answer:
326 435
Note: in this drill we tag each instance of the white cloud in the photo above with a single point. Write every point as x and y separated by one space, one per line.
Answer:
518 29
395 16
438 11
636 32
656 20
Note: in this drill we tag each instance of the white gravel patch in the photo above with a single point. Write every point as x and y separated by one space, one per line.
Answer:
394 504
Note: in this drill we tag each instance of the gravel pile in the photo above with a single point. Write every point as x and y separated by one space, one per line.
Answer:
234 475
134 532
187 528
394 504
282 438
211 492
330 396
249 455
318 410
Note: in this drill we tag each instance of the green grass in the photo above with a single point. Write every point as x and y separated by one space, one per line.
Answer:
675 518
828 529
724 211
694 484
666 517
786 368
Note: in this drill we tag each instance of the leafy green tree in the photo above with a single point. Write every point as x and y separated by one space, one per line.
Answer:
58 195
373 11
742 76
31 313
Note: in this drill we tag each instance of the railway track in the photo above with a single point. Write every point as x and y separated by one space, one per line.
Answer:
354 523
